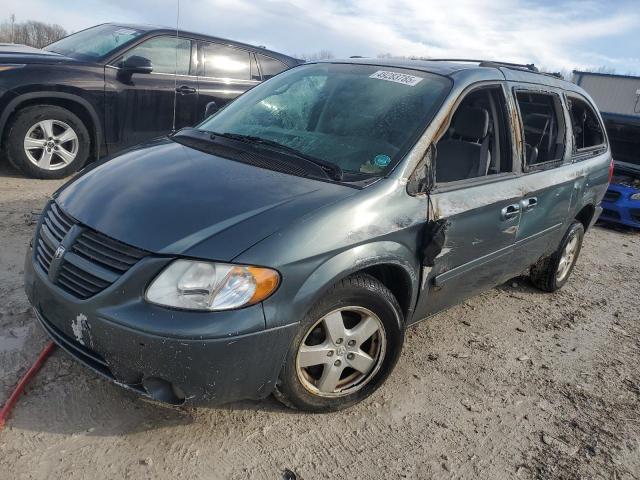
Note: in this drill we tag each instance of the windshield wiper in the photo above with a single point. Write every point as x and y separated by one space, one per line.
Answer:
334 170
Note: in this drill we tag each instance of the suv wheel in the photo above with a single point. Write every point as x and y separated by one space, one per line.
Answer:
47 142
551 273
345 348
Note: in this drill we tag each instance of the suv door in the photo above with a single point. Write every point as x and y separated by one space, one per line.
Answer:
141 106
477 194
547 195
225 73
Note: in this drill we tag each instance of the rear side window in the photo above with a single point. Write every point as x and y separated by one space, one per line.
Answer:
167 54
543 127
270 66
586 128
221 61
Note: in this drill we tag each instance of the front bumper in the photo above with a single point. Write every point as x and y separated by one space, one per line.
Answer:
171 356
619 208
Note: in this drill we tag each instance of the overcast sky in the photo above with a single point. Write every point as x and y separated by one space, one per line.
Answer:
554 34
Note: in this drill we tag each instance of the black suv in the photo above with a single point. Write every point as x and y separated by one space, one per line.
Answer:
112 86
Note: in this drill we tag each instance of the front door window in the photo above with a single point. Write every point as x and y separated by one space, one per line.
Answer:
167 54
476 143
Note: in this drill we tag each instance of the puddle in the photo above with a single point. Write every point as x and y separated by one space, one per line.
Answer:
13 339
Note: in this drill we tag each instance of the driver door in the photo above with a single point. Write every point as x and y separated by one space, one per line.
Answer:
141 106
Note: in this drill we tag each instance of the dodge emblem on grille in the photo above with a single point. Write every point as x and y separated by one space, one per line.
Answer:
59 252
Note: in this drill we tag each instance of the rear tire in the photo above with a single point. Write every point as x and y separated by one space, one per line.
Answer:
47 141
345 348
552 272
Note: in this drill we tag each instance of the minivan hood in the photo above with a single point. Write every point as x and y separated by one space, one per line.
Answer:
171 199
15 53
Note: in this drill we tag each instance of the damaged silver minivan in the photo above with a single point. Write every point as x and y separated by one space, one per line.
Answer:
285 244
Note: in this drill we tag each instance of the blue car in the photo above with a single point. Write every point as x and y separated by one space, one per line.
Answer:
621 203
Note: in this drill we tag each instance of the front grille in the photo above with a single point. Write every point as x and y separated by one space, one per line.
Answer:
92 261
610 214
611 196
78 282
107 253
55 225
635 214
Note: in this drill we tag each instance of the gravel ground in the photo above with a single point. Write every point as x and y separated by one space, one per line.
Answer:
514 383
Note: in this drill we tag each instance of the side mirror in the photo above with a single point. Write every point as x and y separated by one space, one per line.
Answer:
136 64
210 109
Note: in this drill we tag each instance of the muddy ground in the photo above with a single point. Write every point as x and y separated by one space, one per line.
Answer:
514 383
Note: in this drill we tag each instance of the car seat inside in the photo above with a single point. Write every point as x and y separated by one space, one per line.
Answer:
474 144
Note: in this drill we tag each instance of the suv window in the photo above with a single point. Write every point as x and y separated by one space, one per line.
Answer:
222 61
587 131
167 54
477 142
94 42
270 66
255 73
542 125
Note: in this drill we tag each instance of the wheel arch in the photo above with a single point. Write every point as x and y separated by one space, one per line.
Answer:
397 280
74 103
391 263
585 215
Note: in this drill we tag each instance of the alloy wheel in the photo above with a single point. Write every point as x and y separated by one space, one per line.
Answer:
568 258
51 144
341 352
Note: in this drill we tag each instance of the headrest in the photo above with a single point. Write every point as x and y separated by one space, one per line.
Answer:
471 122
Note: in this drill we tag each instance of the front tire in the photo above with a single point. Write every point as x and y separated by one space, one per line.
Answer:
552 272
345 348
48 142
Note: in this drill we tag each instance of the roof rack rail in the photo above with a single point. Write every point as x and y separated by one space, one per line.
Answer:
489 63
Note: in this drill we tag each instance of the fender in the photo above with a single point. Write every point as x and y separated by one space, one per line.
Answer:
15 103
327 273
351 261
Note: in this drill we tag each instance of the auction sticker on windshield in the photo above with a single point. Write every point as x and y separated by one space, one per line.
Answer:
396 77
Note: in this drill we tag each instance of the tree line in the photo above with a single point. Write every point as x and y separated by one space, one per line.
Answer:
32 33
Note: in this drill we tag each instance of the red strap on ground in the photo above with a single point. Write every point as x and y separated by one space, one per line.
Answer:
4 413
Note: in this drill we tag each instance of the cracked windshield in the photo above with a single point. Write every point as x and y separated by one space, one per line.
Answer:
360 117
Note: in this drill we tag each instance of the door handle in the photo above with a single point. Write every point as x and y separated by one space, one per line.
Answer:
511 211
185 90
529 203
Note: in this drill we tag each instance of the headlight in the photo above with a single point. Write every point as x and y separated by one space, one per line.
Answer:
635 196
196 285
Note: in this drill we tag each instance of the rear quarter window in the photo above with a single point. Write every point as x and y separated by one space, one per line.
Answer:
586 128
270 66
